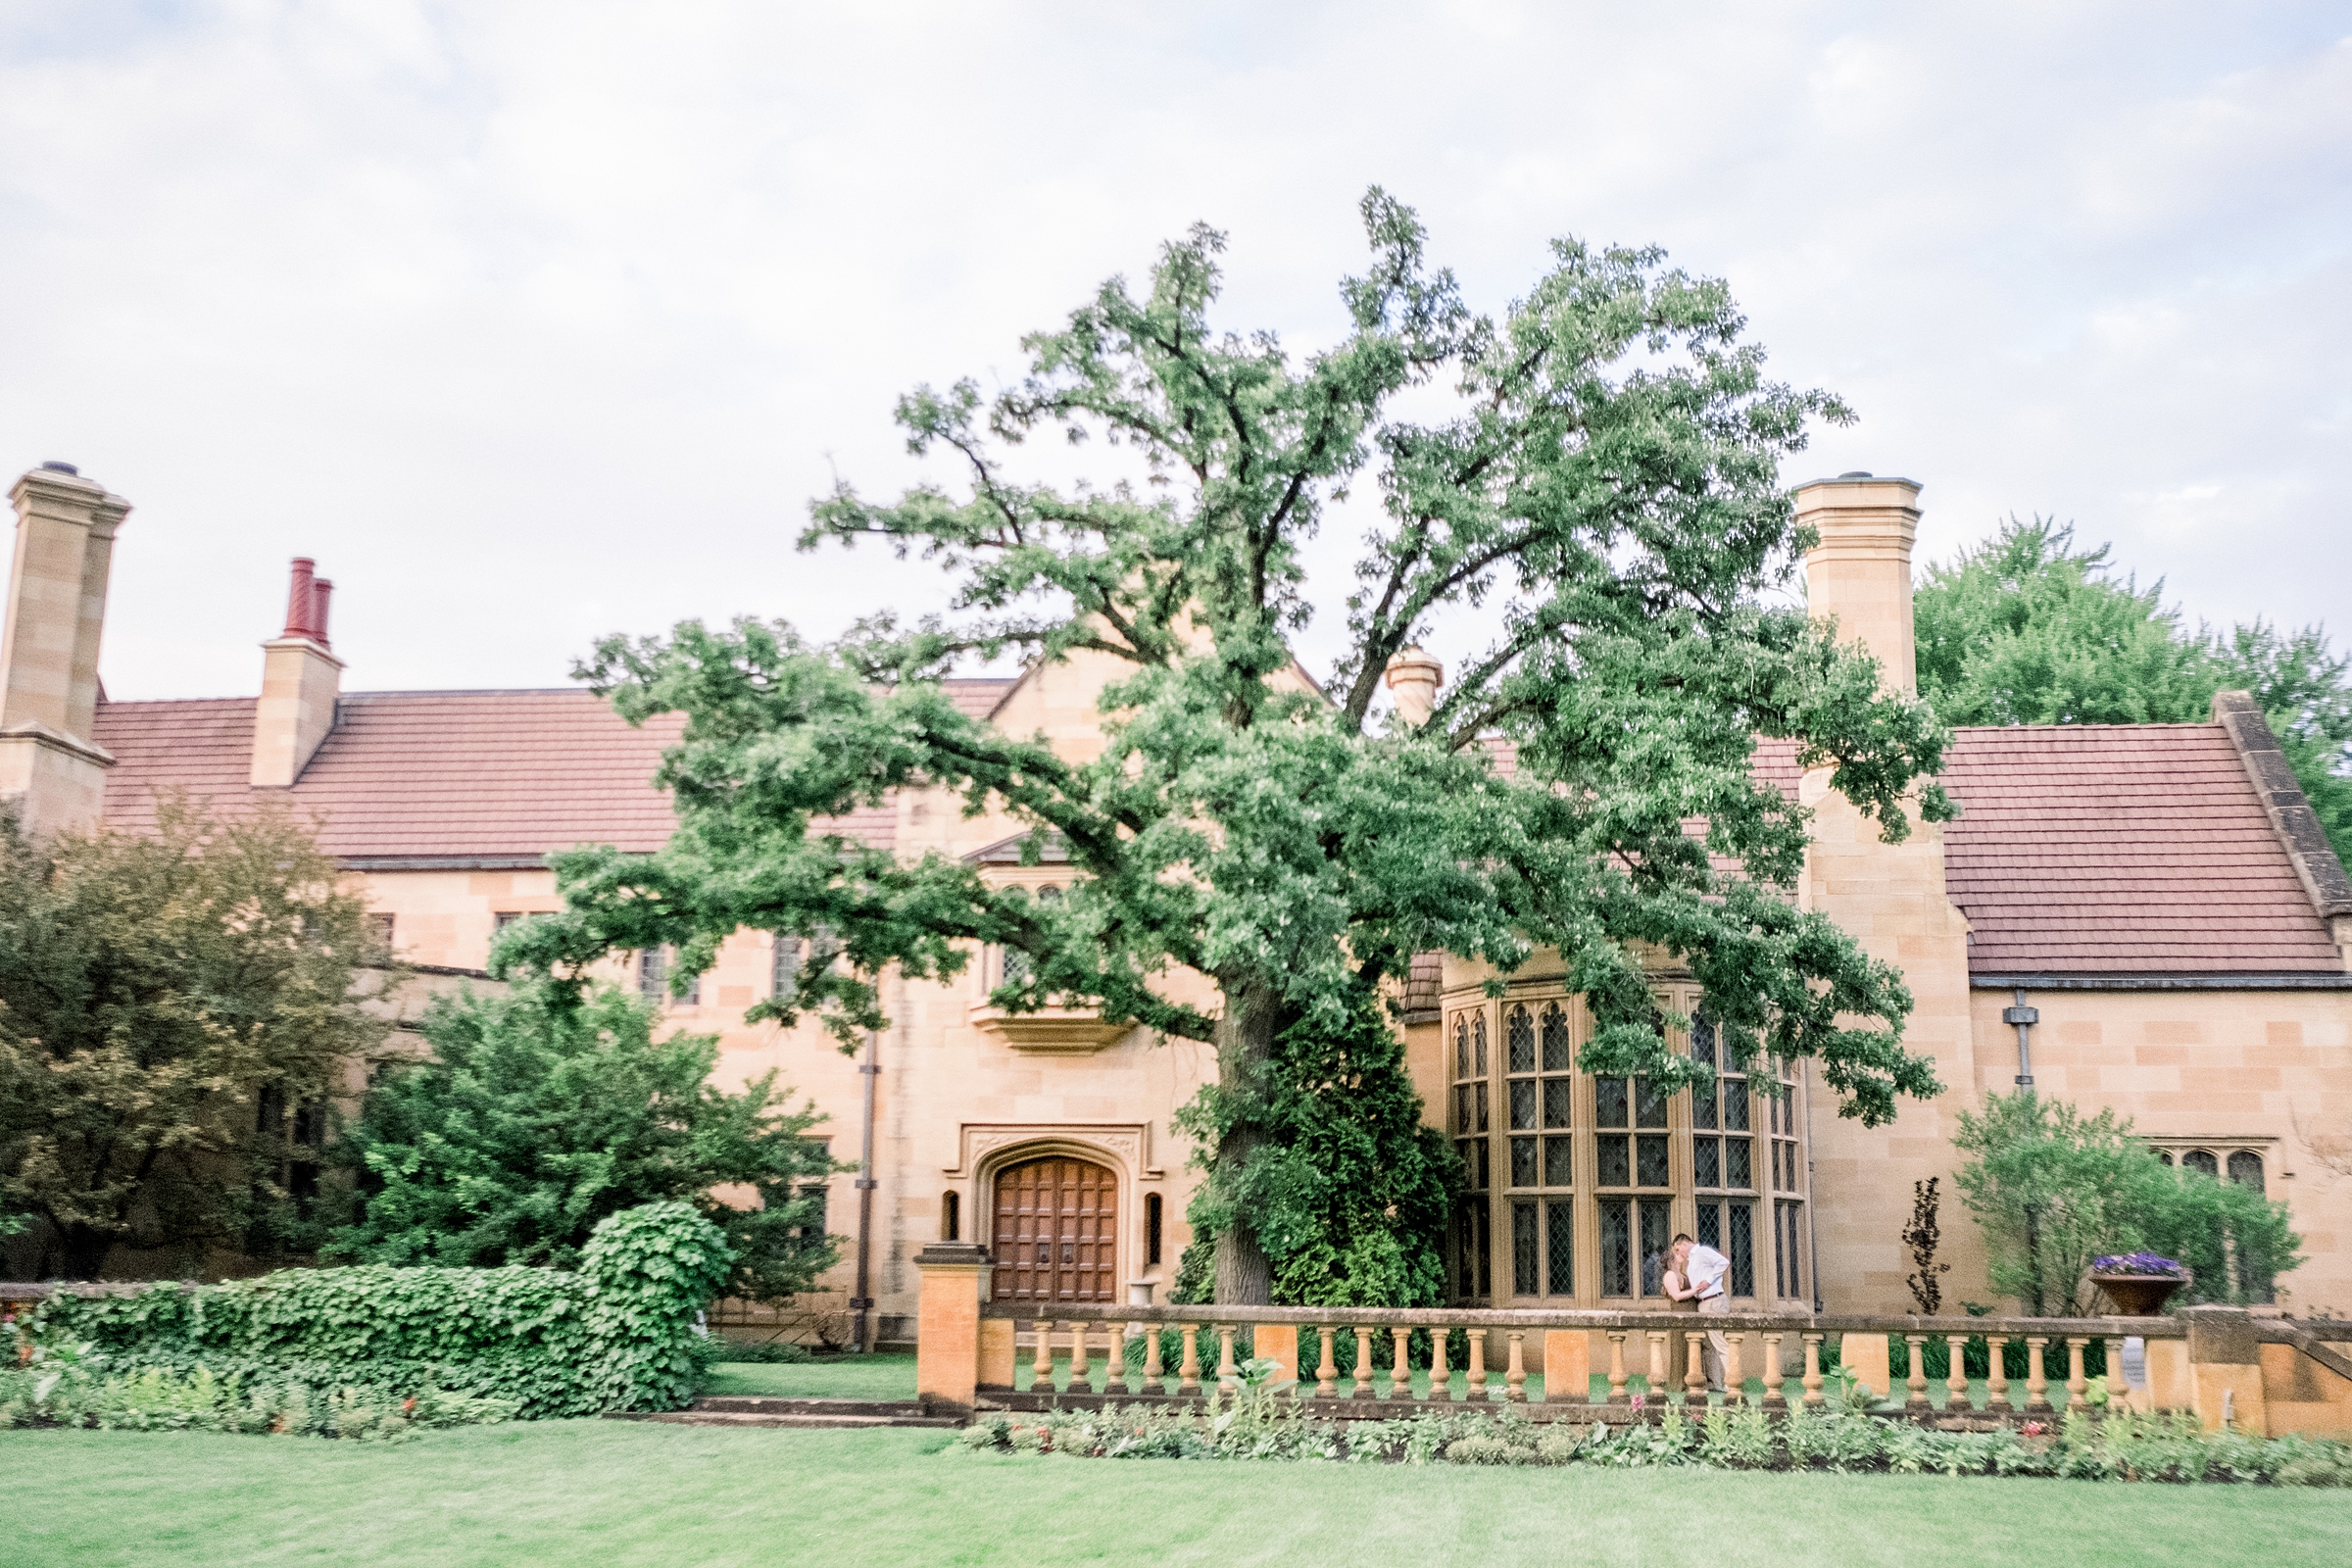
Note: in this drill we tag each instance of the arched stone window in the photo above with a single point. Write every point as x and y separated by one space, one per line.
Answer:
2201 1161
2245 1169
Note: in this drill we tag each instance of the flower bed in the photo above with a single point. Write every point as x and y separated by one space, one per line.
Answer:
2122 1446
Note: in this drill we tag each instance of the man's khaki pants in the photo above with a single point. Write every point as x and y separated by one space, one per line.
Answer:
1718 1347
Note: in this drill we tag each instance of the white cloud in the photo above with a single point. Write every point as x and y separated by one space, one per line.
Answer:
532 321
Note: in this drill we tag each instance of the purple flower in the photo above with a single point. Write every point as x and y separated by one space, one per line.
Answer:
2137 1264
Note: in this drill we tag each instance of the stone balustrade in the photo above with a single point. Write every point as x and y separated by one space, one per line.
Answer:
2202 1359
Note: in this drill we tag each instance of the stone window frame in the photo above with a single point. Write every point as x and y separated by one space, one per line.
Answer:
1491 1239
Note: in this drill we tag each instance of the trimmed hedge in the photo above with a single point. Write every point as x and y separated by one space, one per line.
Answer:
618 1335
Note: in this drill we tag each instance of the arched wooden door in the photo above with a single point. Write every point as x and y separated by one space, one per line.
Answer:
1056 1232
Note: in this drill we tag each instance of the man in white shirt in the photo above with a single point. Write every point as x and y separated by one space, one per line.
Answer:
1704 1271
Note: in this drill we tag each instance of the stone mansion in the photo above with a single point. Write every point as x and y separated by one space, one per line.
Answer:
2142 916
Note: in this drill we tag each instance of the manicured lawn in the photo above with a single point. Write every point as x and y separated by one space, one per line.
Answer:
614 1492
848 1377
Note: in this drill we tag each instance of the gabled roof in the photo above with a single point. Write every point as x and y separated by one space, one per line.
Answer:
2080 850
501 777
2118 849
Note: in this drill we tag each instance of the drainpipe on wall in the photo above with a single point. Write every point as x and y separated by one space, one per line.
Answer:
863 1303
2025 1018
1804 1086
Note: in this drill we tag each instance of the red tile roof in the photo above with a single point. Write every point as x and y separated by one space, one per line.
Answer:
441 775
2105 849
2080 850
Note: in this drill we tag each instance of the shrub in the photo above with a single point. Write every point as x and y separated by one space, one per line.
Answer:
616 1335
769 1352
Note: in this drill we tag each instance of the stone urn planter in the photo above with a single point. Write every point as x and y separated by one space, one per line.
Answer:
2138 1284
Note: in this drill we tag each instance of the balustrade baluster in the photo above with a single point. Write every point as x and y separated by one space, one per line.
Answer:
1813 1394
1694 1374
1734 1372
1956 1380
1188 1375
2119 1388
1478 1365
2037 1368
1400 1375
1617 1394
1658 1376
1996 1373
1364 1363
1776 1392
1327 1371
1229 1373
1514 1377
1041 1365
1080 1383
1915 1383
1440 1379
1156 1376
2077 1385
1114 1368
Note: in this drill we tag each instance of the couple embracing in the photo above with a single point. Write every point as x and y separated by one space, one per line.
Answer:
1696 1274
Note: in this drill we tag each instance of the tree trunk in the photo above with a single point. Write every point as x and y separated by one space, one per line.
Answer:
1244 1046
81 1252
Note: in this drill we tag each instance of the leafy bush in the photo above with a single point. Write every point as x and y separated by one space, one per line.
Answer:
542 1113
1260 1425
63 1385
548 1343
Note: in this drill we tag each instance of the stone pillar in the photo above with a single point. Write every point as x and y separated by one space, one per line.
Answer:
49 648
2224 1370
948 1327
1865 1356
1277 1342
1893 900
1567 1366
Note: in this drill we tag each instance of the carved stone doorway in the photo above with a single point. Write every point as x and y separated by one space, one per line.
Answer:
1056 1232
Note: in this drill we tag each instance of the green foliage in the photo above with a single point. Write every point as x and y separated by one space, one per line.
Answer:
551 1343
165 1001
59 1387
542 1113
2030 629
1348 1198
2054 1188
2121 1446
1595 505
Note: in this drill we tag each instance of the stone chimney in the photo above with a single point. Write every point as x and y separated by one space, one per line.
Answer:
1415 677
1860 573
300 683
49 765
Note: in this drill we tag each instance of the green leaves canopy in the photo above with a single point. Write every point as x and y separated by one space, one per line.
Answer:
165 999
1598 504
2028 628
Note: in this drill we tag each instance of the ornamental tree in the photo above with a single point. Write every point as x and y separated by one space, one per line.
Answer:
1592 477
541 1115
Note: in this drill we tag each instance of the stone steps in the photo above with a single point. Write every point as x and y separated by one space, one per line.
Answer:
758 1410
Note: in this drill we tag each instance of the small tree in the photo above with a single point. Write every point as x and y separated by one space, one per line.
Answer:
1922 1235
167 1002
2054 1188
1352 1200
544 1111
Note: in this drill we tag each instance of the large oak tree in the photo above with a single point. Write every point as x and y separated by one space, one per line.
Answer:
1597 489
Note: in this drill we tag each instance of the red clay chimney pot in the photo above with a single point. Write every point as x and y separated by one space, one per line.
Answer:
319 590
301 600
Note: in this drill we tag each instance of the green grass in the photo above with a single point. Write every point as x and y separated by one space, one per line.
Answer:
848 1377
616 1494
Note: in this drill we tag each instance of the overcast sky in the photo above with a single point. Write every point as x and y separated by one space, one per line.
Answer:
537 321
